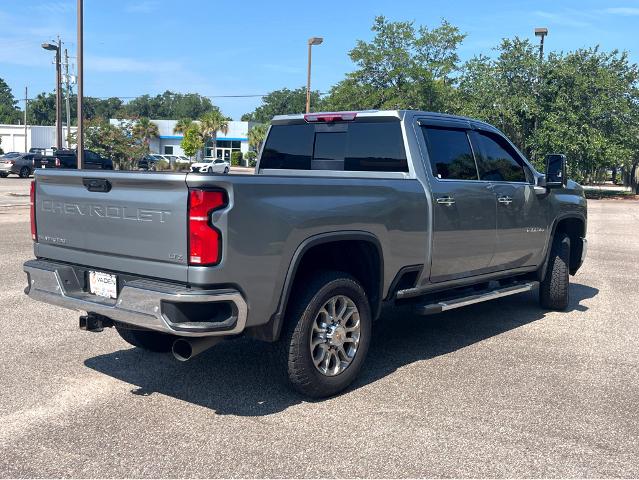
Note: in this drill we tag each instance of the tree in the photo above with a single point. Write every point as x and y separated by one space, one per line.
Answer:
182 125
9 112
402 67
282 102
145 130
192 142
116 142
257 135
169 105
211 123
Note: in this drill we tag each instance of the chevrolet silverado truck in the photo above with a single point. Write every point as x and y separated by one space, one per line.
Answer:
347 213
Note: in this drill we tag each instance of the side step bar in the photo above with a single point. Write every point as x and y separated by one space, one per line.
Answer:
449 304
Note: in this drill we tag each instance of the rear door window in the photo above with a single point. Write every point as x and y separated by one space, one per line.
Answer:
451 156
496 159
356 146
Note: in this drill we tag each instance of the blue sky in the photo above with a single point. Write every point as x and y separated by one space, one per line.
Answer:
219 47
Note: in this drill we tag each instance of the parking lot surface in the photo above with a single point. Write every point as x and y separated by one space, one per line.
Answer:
497 389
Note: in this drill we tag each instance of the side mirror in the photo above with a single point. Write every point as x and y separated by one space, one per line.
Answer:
555 171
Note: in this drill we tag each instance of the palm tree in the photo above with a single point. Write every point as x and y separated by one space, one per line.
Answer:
213 122
256 135
182 125
145 129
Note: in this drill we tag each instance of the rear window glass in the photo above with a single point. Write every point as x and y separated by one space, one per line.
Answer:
357 146
451 157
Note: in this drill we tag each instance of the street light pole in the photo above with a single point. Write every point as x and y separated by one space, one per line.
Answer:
541 32
26 105
80 132
311 41
56 47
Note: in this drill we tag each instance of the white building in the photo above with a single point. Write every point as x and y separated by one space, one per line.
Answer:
13 137
168 143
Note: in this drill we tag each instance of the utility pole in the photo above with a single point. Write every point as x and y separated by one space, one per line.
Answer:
80 133
68 92
26 105
58 94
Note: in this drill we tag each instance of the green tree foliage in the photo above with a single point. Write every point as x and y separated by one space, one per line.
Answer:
169 105
116 142
257 135
193 141
402 67
211 123
282 102
42 109
144 130
9 112
182 125
589 110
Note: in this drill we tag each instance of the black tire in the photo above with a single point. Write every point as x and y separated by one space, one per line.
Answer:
4 175
303 375
226 171
24 172
146 339
553 290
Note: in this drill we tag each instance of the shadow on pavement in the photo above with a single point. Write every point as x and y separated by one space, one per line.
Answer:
244 377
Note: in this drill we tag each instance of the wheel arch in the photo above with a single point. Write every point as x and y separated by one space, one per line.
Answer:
314 247
574 225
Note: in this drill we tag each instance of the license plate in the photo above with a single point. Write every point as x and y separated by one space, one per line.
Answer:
103 284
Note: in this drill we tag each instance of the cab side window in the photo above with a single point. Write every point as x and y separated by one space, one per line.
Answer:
451 156
496 159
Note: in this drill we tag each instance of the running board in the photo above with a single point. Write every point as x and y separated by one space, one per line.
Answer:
443 305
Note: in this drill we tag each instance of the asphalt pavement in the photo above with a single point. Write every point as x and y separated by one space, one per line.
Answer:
500 389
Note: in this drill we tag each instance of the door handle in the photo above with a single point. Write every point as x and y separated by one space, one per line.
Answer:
505 199
448 201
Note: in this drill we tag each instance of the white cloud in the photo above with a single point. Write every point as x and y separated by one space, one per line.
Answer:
625 11
565 18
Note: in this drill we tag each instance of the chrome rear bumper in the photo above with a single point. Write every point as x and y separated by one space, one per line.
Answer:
139 303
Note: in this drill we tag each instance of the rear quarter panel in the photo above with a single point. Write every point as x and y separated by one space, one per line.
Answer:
269 217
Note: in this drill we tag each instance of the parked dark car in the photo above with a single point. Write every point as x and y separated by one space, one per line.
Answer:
149 162
65 158
15 163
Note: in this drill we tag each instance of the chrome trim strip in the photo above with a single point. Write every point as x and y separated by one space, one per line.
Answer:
138 304
503 292
334 173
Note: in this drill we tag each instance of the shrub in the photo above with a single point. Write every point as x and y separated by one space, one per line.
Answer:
236 158
162 165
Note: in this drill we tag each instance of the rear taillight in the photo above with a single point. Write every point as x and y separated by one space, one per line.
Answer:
34 233
330 117
57 162
205 241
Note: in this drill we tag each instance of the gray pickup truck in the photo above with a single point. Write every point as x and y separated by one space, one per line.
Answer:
347 212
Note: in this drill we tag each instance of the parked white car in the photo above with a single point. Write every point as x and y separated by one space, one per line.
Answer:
211 165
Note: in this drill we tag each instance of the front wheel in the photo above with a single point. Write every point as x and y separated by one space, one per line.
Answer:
553 290
4 175
25 172
327 335
147 339
226 171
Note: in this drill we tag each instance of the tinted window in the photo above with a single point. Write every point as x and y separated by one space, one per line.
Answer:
361 146
329 151
450 154
289 146
497 160
377 147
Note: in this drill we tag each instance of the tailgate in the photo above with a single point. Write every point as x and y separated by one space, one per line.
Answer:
123 221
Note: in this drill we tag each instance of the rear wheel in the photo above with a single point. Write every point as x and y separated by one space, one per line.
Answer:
146 339
4 175
553 290
25 172
226 170
327 335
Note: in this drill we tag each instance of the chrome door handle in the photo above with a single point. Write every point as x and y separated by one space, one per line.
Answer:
505 199
448 201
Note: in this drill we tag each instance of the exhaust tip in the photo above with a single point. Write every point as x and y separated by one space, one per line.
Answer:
182 350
